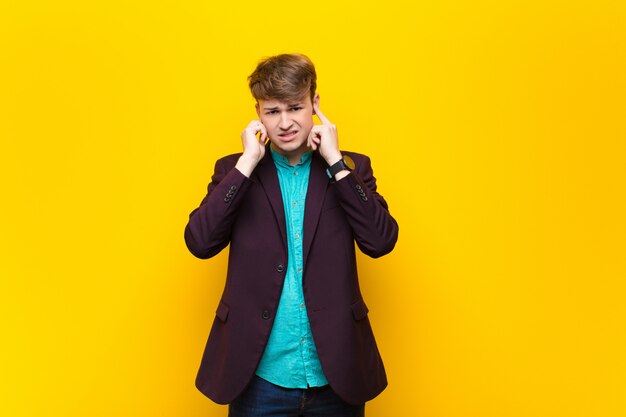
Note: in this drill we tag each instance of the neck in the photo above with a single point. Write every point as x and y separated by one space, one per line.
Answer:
295 156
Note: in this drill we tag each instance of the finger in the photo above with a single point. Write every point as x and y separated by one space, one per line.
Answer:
310 143
308 140
253 128
319 113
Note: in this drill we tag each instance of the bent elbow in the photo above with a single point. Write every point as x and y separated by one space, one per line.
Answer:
193 246
197 248
382 246
379 251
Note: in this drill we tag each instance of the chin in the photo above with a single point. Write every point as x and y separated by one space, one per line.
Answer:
289 147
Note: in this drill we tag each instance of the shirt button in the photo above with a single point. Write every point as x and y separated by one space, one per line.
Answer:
295 173
301 305
299 269
302 340
297 236
280 268
295 203
266 314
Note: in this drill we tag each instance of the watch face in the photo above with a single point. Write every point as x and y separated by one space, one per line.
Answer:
349 162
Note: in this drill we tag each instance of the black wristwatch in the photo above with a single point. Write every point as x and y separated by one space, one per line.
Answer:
344 163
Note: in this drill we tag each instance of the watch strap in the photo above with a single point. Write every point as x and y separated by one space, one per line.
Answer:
337 167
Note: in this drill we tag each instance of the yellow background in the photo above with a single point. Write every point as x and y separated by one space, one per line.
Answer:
497 134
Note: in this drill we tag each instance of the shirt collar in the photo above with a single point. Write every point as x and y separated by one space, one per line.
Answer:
282 161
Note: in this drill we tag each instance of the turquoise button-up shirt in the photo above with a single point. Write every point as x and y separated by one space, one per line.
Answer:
290 359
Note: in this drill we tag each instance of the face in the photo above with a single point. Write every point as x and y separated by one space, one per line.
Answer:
288 123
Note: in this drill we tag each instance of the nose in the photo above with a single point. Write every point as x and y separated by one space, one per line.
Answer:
285 121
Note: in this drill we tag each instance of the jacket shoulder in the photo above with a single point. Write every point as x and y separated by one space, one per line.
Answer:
355 155
360 160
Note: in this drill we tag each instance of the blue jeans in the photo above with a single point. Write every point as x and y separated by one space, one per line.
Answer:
264 399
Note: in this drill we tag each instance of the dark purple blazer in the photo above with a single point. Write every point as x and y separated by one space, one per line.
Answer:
248 213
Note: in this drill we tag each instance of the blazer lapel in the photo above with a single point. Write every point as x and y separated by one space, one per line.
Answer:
318 183
268 177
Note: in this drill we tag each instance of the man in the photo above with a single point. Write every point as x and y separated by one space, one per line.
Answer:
291 335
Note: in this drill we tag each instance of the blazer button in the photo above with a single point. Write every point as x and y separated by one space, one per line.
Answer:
280 268
266 314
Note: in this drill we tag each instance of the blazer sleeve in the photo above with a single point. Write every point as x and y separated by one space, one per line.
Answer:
209 228
375 230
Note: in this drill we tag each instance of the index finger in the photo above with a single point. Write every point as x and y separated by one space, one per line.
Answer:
264 137
321 115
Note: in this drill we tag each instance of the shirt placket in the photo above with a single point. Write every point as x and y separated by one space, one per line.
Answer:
300 195
297 198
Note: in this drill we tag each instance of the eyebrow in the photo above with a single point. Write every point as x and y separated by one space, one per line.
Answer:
298 104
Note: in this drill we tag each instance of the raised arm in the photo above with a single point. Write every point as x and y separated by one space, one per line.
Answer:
375 230
209 226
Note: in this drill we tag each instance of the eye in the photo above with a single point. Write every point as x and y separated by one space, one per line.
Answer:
296 108
271 112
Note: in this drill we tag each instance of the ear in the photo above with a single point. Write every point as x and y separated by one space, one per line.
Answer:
258 110
316 102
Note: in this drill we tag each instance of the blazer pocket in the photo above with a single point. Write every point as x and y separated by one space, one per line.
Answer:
222 311
359 309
